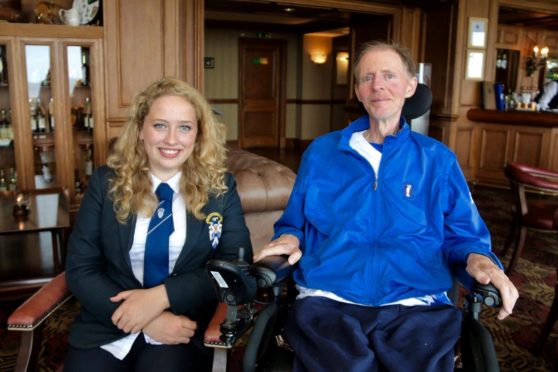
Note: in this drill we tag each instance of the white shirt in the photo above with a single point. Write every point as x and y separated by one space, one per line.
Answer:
120 348
550 90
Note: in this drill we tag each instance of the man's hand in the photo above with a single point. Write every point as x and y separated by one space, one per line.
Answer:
285 244
171 329
139 307
485 271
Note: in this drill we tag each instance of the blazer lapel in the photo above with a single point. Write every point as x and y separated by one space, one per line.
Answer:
126 236
194 228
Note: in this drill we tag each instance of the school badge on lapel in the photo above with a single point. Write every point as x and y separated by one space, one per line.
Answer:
215 225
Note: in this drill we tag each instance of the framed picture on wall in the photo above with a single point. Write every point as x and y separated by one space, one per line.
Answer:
475 64
477 32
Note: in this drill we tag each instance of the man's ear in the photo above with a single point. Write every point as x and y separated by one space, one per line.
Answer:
411 87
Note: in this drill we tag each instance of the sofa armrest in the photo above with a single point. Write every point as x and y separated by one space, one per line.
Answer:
29 315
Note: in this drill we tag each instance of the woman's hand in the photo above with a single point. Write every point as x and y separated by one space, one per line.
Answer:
171 329
485 271
139 307
285 244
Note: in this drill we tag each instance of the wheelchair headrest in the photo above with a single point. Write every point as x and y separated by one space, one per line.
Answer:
418 104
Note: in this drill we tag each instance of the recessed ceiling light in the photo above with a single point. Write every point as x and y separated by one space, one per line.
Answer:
289 10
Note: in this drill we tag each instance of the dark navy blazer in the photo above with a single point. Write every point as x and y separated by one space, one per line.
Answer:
98 264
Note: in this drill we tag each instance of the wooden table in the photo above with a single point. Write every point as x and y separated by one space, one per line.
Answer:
48 211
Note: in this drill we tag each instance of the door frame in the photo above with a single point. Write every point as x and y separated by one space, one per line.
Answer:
281 80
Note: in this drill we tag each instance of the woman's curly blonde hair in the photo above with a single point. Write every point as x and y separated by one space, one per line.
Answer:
203 173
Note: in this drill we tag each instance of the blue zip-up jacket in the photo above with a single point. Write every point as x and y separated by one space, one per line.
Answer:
375 239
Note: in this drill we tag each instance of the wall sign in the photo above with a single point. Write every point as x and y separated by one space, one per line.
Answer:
477 32
208 62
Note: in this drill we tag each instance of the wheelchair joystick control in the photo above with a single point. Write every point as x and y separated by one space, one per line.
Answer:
234 287
489 295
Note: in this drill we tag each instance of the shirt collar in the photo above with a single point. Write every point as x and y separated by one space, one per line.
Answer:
173 182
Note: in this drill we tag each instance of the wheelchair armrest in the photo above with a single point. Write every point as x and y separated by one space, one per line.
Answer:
479 294
271 270
29 315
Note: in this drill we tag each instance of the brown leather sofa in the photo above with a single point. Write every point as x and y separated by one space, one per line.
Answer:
264 187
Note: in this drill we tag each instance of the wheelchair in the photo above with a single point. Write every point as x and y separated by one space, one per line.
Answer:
256 297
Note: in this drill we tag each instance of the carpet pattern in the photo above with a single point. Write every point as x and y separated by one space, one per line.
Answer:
515 338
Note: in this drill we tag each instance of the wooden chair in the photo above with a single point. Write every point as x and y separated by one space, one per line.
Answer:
529 210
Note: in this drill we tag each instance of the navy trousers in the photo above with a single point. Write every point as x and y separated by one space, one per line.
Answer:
327 335
143 357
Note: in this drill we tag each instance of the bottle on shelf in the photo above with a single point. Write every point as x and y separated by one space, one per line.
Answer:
12 184
10 129
79 123
46 81
3 125
51 114
504 62
33 116
47 175
499 60
77 182
87 115
3 183
88 164
84 67
45 158
41 118
3 67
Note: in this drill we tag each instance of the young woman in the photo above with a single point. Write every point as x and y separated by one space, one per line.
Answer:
136 260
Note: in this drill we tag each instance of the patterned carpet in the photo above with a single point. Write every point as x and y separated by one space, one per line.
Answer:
514 337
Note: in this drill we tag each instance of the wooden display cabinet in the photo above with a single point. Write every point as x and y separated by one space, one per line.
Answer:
55 93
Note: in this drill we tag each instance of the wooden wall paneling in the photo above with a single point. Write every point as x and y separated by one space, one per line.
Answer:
141 42
550 39
462 141
463 144
509 37
470 89
531 146
114 129
192 38
553 164
411 32
63 136
134 54
97 71
439 128
492 36
495 142
438 48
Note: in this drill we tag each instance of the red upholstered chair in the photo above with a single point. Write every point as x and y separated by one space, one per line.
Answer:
530 211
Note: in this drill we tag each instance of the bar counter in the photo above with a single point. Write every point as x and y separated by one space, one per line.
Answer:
515 117
500 137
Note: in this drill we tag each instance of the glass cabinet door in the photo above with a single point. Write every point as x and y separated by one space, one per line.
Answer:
82 118
8 175
41 116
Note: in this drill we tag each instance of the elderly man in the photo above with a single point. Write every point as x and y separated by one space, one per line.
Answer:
377 218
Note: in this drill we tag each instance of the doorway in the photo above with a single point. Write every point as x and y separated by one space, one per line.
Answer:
261 92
